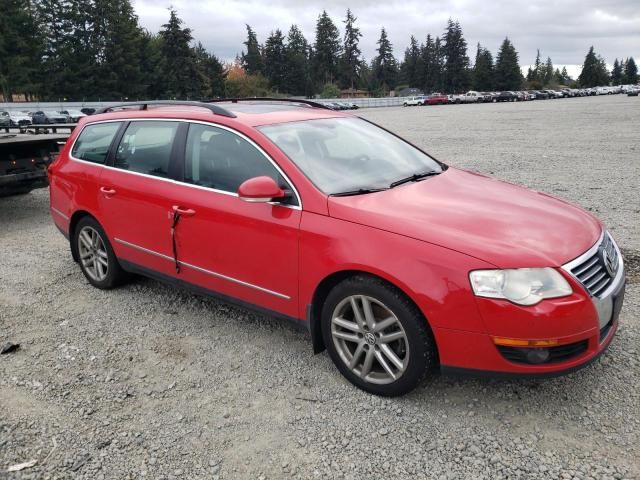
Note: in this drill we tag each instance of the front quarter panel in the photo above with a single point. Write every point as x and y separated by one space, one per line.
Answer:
435 278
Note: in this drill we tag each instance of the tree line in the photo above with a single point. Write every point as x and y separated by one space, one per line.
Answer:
96 49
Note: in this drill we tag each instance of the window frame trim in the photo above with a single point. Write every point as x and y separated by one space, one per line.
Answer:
112 144
180 157
183 163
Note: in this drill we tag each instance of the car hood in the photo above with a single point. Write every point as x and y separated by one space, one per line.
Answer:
503 224
19 116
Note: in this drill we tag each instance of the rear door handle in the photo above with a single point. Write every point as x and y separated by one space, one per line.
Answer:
185 212
107 191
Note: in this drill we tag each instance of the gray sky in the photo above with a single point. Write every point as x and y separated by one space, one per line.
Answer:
563 30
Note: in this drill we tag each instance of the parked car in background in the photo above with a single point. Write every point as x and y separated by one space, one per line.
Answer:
541 94
333 105
88 110
19 119
470 97
48 116
633 92
437 99
391 259
505 97
5 120
73 115
414 101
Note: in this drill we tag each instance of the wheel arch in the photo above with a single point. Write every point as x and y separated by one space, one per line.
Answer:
73 222
314 309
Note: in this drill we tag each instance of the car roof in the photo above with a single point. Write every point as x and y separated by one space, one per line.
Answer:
251 114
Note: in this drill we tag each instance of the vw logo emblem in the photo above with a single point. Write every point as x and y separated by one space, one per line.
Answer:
370 338
609 262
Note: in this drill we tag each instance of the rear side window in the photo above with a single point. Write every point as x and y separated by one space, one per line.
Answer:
146 148
93 143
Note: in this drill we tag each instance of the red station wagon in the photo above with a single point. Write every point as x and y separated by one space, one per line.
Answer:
396 263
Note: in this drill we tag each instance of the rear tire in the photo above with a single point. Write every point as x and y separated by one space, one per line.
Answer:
376 337
95 255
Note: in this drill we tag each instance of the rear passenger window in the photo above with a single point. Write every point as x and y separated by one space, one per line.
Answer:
93 143
222 160
146 147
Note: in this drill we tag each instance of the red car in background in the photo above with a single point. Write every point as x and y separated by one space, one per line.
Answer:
437 99
396 263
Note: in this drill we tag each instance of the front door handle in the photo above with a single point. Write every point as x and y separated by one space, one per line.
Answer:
108 191
184 212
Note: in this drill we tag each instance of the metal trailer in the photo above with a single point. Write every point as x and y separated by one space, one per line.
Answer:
24 159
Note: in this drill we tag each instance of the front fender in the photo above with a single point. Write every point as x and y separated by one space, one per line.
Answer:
433 277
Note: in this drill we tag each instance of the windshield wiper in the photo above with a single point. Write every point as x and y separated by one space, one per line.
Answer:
359 191
414 178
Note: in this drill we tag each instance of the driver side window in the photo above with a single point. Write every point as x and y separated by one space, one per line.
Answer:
221 160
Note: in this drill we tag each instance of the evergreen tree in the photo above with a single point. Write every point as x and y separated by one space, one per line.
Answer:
558 79
53 18
297 68
566 79
385 67
508 75
483 75
350 61
275 61
438 65
411 65
119 74
456 64
211 74
617 73
431 77
547 78
594 71
536 73
252 60
20 50
630 72
153 65
180 65
327 50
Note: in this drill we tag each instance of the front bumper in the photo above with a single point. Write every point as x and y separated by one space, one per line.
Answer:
582 325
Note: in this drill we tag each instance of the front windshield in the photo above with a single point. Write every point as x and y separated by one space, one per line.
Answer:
348 154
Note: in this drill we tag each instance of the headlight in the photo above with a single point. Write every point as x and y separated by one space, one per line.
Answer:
524 286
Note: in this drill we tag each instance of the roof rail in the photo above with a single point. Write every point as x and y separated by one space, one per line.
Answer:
309 103
170 103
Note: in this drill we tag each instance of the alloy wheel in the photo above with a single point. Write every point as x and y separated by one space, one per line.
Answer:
370 339
93 254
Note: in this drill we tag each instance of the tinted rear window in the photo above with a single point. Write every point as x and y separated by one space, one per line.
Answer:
93 143
146 147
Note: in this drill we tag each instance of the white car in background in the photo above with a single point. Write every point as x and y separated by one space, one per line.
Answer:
19 119
414 101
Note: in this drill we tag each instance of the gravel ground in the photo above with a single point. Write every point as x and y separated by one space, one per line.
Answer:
147 381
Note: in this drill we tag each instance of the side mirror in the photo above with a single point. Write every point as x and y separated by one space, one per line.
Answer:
260 190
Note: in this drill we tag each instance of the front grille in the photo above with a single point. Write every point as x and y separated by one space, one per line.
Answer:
557 354
598 271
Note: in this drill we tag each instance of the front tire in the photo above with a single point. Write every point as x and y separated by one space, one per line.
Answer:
95 255
376 336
